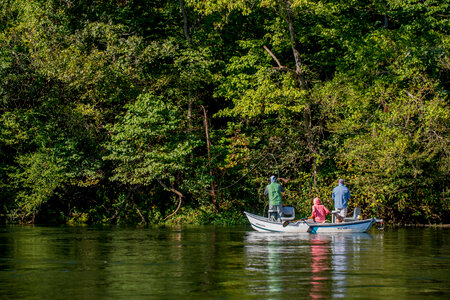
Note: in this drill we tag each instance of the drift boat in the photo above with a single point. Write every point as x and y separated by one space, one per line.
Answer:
352 225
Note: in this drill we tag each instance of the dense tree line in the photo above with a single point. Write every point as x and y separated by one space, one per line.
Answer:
144 111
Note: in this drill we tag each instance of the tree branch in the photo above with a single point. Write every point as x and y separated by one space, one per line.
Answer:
180 197
280 66
273 56
142 217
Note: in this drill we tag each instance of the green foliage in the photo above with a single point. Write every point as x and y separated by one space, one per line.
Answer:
101 98
39 177
255 89
148 142
206 216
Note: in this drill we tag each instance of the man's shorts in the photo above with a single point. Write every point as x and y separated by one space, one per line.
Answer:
342 212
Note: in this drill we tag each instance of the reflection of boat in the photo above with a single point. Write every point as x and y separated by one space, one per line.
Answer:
262 238
320 265
302 265
263 224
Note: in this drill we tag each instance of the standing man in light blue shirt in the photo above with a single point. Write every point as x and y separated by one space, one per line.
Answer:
340 195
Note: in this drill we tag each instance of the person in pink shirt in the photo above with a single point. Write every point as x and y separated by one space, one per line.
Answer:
319 211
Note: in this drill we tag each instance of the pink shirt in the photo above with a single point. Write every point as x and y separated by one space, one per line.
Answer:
319 211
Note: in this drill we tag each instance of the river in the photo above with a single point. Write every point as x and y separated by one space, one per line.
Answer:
195 262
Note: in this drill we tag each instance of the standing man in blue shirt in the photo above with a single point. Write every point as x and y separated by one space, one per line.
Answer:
340 195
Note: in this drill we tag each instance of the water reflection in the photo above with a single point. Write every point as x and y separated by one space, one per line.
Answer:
274 260
317 266
274 267
320 264
345 249
221 263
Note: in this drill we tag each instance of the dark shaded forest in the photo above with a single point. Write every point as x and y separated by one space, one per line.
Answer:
147 111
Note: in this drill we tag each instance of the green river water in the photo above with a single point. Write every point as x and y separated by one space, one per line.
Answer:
206 262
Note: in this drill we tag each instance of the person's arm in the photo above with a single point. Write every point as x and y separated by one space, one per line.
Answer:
266 191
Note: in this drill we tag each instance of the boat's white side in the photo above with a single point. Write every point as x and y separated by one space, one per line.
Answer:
263 224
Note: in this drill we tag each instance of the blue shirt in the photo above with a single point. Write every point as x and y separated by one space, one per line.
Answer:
340 196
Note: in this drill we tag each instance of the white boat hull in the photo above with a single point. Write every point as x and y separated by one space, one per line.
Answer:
263 224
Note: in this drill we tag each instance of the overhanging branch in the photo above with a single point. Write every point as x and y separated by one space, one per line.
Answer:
280 66
180 197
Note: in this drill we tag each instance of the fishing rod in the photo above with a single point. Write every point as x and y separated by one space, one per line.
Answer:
245 175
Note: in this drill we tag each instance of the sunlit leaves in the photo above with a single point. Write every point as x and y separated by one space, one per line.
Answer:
257 90
211 6
148 142
375 109
38 177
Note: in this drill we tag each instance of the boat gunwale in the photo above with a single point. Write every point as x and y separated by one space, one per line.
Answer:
264 219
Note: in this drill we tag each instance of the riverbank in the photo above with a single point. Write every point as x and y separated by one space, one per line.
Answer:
427 225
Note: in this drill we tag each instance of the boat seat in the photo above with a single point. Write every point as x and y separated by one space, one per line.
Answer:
288 213
333 216
356 215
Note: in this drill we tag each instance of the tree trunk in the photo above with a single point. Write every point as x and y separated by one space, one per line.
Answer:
185 20
303 85
211 173
130 192
307 115
188 38
315 173
298 61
